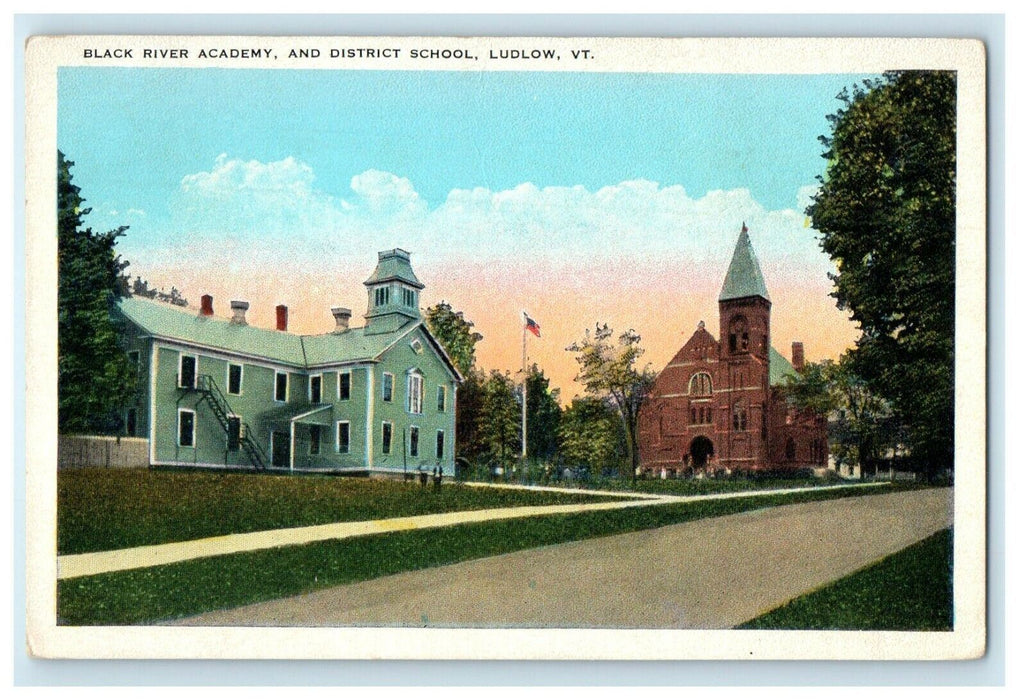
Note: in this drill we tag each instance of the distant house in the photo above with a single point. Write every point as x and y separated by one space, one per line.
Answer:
219 393
717 406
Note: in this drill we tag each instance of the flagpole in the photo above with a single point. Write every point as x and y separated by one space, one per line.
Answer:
523 431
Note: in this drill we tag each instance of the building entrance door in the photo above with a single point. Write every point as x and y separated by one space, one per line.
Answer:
701 451
280 448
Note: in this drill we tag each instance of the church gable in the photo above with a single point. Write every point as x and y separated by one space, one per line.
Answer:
701 346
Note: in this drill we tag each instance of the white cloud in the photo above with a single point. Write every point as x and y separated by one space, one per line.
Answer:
258 202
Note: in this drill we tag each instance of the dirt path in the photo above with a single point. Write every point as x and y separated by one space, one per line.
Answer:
714 573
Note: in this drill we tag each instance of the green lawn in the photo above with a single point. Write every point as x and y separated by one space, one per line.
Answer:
188 588
102 509
910 590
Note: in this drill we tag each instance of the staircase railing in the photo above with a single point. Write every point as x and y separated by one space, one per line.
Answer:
222 410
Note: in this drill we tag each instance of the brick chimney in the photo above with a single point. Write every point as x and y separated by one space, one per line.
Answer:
239 312
206 305
798 355
281 314
342 316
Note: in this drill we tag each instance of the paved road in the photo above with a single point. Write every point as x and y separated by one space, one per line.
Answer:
709 574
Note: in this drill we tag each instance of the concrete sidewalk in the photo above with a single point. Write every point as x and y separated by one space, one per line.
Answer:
75 565
706 574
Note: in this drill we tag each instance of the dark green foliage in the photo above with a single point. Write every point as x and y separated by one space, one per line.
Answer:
591 435
499 420
192 587
608 369
103 509
911 590
886 211
543 415
455 333
95 381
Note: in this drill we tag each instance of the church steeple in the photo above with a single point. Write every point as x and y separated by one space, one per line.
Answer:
744 278
393 293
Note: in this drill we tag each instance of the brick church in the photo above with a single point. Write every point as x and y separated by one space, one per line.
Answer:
717 407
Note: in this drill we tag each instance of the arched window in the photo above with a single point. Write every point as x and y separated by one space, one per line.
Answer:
700 384
739 334
740 417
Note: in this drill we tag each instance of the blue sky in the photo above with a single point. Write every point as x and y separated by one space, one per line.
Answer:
225 175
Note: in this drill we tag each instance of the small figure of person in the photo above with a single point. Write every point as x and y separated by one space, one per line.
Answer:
423 476
438 478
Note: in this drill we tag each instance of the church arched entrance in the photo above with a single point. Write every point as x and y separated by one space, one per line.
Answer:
701 450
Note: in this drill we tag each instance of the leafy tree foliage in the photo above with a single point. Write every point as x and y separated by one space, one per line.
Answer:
591 435
141 288
886 212
498 422
607 367
455 333
94 378
543 415
863 422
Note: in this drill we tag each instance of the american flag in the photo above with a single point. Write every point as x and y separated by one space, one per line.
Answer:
532 325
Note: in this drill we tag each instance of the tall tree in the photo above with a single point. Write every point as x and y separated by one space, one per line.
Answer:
94 378
591 435
543 415
886 213
498 422
862 422
607 368
455 333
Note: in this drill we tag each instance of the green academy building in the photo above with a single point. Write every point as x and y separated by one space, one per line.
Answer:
219 393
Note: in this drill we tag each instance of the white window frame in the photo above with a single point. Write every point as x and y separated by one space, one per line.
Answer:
274 393
409 444
439 434
309 388
178 436
349 436
195 370
386 448
412 409
228 378
338 393
442 398
391 385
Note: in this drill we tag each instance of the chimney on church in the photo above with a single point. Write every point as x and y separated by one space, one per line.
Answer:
342 316
239 312
206 305
798 356
281 314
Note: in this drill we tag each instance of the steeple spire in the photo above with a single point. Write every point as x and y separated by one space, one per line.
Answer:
744 278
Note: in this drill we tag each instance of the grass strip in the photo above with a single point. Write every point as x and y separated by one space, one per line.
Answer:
189 588
104 509
910 590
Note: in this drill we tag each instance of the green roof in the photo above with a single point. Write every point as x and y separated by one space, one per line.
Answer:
174 323
779 368
394 265
744 278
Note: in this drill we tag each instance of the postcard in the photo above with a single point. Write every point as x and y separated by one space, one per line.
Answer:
506 348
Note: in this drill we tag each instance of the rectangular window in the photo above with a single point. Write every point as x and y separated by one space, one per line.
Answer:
281 386
381 296
234 433
315 439
440 444
415 393
315 388
186 428
414 441
133 361
130 419
345 385
441 399
387 385
343 437
235 380
386 438
187 371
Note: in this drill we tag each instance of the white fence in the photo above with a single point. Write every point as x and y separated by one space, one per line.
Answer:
76 451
